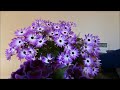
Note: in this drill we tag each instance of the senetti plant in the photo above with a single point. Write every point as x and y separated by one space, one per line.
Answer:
54 51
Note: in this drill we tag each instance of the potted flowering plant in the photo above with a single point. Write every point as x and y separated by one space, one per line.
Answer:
54 51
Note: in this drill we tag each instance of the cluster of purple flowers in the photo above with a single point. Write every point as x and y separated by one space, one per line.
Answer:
29 41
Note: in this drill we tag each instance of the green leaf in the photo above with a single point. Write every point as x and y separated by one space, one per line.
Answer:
59 73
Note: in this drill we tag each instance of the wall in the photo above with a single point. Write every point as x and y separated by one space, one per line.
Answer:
119 29
0 44
102 23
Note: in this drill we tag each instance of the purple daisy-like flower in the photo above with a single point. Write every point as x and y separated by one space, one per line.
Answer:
97 63
67 60
40 41
40 58
30 29
40 28
89 39
48 24
72 40
39 22
65 32
21 32
46 59
65 29
72 24
72 35
62 22
33 26
64 59
22 53
51 33
94 71
57 33
49 57
96 40
65 37
31 37
88 48
88 61
87 71
66 26
68 47
60 57
56 26
60 41
74 53
9 52
96 51
17 42
84 54
31 52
